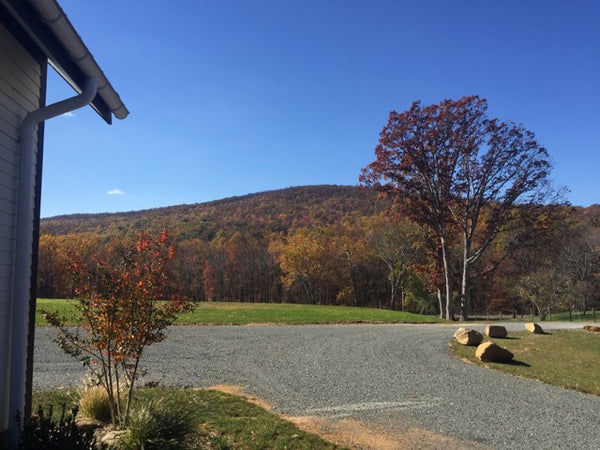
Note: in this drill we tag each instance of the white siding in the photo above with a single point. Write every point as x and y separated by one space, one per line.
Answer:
20 81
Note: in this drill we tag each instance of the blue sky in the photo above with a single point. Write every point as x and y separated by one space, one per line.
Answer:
233 97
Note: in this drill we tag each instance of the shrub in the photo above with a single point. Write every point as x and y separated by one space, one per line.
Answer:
119 300
95 403
42 432
157 425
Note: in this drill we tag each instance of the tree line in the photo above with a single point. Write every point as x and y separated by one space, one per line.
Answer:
468 221
381 261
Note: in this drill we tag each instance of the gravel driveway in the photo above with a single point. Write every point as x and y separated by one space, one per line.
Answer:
392 377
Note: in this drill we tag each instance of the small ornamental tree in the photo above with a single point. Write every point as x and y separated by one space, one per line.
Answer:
120 300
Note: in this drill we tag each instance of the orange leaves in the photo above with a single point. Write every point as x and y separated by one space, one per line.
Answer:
164 237
460 174
309 258
120 303
142 245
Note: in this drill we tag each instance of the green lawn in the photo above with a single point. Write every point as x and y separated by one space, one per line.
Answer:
576 316
295 314
563 358
215 313
220 421
65 308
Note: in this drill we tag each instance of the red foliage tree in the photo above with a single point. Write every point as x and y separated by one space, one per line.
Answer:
120 298
451 166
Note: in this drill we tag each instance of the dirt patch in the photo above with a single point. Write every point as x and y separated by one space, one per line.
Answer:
359 435
363 436
239 390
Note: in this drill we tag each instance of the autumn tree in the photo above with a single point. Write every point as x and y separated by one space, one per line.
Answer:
581 260
307 258
397 243
539 277
189 261
120 301
213 270
249 267
455 170
52 279
53 265
349 240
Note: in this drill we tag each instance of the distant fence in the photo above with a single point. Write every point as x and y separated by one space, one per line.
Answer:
576 316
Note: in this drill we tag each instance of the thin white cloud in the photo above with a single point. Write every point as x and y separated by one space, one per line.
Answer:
116 192
69 114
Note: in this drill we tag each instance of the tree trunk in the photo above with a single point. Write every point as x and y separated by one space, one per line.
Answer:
542 313
393 285
354 287
439 287
402 298
464 288
308 291
447 279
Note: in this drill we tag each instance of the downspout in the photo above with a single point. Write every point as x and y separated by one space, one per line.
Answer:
23 248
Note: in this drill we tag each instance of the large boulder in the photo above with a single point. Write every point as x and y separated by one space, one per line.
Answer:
593 328
490 352
534 328
466 336
496 331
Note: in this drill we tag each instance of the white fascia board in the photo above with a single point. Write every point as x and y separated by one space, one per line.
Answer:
57 21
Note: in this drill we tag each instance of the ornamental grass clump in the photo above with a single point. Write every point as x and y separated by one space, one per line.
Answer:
120 302
95 403
156 425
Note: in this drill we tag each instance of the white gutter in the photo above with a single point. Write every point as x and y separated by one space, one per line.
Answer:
55 18
24 243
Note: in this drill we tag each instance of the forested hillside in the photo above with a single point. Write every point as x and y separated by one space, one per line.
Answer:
273 211
332 245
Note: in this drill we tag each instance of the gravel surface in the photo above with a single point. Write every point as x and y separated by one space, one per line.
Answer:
395 377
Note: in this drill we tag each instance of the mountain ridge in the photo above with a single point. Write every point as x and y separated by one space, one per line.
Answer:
274 211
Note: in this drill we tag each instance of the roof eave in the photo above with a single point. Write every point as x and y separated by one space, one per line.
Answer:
50 28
